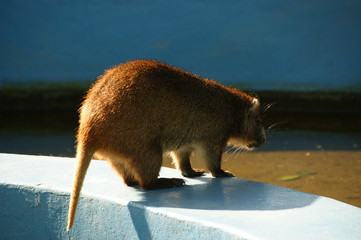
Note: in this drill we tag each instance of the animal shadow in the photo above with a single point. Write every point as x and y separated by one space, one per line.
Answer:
227 194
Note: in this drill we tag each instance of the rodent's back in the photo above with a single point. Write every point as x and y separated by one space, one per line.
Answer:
152 98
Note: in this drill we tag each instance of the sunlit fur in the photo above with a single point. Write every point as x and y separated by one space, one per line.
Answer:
138 111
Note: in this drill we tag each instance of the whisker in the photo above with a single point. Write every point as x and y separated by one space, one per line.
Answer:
237 153
229 149
276 124
240 151
268 106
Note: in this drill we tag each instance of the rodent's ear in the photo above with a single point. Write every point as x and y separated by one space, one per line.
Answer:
254 108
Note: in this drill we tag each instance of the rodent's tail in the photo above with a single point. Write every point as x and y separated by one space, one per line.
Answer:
83 160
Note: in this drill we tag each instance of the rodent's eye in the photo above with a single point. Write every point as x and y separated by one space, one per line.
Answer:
258 121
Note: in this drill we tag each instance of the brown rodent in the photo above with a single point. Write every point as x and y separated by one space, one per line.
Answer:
138 111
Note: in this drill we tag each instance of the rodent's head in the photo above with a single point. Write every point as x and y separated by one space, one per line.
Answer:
252 133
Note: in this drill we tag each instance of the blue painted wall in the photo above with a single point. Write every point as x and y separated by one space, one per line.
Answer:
272 45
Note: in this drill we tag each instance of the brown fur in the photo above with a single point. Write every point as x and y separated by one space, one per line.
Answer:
138 111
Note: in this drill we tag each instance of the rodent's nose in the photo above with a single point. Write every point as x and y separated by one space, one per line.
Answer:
260 140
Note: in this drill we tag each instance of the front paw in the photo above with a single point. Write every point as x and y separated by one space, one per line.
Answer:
193 173
222 173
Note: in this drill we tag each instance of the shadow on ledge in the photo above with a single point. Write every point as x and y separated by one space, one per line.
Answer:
227 194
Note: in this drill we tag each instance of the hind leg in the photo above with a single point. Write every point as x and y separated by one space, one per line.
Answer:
146 168
182 161
124 172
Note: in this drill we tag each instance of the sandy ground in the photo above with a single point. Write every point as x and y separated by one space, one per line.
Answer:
334 174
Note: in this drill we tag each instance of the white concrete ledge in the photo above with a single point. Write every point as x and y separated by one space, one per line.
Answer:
34 194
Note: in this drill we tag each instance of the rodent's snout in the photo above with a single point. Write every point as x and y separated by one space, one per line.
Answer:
260 140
